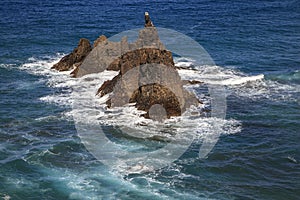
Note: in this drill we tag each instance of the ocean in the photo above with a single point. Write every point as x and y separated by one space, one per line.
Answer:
255 45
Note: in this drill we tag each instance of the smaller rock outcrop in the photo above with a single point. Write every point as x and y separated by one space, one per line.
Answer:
75 58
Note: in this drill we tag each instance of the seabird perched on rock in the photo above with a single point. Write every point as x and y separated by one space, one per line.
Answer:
148 22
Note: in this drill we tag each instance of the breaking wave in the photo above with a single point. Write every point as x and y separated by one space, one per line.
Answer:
239 84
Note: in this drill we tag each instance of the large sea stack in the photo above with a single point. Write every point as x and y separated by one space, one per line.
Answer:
147 75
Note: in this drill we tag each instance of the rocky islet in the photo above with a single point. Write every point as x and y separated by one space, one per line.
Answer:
147 74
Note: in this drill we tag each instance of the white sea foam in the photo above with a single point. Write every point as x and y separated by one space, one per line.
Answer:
98 183
240 84
241 80
85 88
215 75
8 66
236 82
59 99
41 66
87 108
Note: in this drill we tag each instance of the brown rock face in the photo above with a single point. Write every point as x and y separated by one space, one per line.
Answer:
149 95
142 56
134 59
75 58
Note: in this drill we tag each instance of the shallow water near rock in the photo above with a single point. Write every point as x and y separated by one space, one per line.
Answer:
256 156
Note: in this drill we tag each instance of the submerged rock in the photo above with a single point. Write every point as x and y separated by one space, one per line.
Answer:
75 58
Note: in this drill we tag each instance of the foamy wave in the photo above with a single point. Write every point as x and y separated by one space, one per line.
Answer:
241 80
91 110
60 99
41 66
88 107
217 75
184 62
267 89
88 184
61 80
241 84
80 92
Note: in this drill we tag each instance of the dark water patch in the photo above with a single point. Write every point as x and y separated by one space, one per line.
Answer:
24 181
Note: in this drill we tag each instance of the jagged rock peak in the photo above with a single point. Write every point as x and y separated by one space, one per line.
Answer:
99 40
75 58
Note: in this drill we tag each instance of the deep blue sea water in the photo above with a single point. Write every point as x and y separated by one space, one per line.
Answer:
42 156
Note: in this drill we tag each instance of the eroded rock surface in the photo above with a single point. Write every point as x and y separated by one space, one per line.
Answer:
135 59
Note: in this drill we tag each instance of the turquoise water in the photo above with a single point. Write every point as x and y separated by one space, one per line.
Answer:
256 157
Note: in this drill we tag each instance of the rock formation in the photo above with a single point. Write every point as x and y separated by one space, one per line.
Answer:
147 74
75 58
